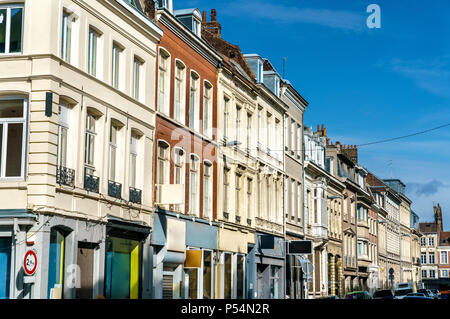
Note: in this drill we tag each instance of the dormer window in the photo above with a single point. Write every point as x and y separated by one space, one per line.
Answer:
260 72
164 4
191 19
277 87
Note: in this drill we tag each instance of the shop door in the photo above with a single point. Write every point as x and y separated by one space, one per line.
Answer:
260 268
122 268
5 266
85 261
56 265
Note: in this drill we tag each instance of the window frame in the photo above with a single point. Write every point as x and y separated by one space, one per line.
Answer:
138 79
8 7
208 200
208 108
134 152
194 171
64 125
16 120
116 81
89 133
93 43
194 101
179 65
163 104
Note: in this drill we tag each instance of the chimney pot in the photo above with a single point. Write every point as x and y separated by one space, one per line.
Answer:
318 127
204 17
213 15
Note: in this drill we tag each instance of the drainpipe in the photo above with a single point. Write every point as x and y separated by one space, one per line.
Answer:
356 224
401 238
304 201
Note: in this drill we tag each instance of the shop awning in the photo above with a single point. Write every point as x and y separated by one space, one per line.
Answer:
307 266
119 227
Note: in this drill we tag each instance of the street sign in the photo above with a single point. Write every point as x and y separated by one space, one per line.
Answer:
30 262
300 247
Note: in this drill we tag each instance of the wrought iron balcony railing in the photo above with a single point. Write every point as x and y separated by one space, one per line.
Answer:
65 176
115 189
91 183
135 195
238 219
249 221
226 215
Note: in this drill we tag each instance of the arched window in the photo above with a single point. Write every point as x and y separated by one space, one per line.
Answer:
194 102
163 163
207 190
179 99
179 161
194 185
163 82
207 109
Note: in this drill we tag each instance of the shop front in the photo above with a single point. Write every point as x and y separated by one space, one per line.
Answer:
184 253
270 261
236 272
126 262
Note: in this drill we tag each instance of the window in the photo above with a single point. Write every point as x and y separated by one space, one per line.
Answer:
179 110
228 272
238 123
249 131
444 257
432 273
163 82
194 107
267 198
260 129
299 201
423 258
444 273
208 282
93 52
11 28
56 263
274 281
114 130
424 274
196 27
137 78
66 43
268 130
226 185
345 208
431 241
63 134
5 266
194 186
277 139
163 163
179 159
207 190
133 159
249 197
207 110
116 66
299 139
90 144
286 132
423 241
238 194
292 137
226 102
431 258
240 276
292 188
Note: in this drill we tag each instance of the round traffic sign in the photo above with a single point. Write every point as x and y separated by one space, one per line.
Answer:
30 262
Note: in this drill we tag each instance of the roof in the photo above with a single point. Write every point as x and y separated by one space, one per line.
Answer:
444 238
428 227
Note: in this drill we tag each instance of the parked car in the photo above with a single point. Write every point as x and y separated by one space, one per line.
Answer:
427 293
329 297
419 294
418 297
358 295
383 294
445 294
401 293
436 292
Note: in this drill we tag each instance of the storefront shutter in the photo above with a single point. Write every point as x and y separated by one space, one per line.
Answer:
167 286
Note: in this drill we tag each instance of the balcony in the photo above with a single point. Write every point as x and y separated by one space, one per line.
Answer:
249 222
115 189
91 183
135 195
238 219
65 176
226 215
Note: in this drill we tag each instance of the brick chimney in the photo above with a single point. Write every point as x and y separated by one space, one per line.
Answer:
149 8
212 26
352 153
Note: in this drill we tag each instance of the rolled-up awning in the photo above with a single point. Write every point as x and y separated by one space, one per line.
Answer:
307 266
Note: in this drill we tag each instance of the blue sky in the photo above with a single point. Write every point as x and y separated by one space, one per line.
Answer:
363 84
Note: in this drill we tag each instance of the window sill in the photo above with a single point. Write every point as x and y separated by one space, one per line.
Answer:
16 183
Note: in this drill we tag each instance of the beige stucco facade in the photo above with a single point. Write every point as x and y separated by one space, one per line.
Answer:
50 74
